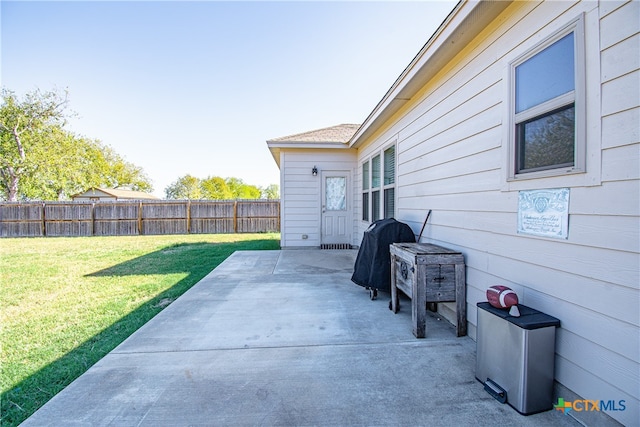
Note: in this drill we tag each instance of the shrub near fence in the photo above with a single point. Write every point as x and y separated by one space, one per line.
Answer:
120 218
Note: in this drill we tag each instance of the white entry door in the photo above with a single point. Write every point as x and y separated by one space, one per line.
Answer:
336 209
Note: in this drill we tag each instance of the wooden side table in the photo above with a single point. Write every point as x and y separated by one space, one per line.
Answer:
428 273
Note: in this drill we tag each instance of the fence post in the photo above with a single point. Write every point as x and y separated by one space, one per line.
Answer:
140 217
235 216
44 220
188 216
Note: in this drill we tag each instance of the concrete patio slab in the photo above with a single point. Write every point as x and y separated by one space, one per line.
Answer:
284 338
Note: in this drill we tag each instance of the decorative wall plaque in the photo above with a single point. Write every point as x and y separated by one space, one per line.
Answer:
544 213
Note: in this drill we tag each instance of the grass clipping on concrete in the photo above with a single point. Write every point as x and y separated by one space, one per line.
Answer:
66 302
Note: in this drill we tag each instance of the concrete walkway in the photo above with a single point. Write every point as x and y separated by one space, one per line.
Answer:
285 338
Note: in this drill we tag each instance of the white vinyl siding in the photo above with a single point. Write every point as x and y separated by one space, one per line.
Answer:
453 156
301 192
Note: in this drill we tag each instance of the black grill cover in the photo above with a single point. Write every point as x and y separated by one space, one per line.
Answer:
373 263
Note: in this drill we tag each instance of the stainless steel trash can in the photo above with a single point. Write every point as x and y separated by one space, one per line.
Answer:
515 356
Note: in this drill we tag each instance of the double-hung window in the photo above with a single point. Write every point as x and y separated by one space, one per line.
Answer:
547 108
375 188
389 182
378 185
365 191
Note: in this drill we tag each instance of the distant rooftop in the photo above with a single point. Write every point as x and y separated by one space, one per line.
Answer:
117 193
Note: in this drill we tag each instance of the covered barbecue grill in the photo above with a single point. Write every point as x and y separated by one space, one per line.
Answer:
372 269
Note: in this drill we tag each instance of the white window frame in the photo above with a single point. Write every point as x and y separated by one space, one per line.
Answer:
375 213
391 185
365 204
382 186
578 97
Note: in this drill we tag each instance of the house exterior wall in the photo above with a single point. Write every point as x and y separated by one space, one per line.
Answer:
452 158
300 211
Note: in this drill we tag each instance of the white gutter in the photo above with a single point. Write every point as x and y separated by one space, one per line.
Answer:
276 146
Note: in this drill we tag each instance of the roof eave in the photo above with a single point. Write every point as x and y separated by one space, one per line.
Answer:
464 22
307 144
275 147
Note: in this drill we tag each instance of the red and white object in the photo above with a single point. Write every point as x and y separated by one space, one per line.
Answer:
501 296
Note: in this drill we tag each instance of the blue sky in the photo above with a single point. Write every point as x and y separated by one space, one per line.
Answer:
198 87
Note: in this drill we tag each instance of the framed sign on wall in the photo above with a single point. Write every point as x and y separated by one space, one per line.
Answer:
544 213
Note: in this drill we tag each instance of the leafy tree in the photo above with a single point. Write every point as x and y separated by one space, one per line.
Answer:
69 164
24 124
272 191
186 187
117 172
58 174
215 188
39 159
240 190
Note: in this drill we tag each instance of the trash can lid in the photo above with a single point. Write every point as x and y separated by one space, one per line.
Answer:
530 318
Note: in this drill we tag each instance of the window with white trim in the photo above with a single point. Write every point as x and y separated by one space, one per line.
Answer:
389 182
378 185
375 188
547 107
365 191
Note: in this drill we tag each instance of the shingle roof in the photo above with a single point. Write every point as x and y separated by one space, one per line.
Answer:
127 194
117 193
340 133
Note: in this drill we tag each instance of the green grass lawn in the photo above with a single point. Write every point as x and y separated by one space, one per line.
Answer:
67 302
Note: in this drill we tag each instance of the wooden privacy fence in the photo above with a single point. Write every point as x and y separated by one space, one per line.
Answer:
124 218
